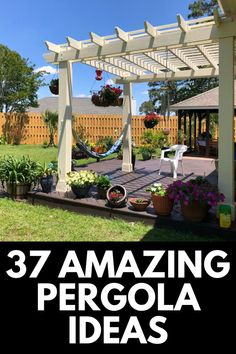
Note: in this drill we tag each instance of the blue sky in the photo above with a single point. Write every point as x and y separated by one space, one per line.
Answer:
26 24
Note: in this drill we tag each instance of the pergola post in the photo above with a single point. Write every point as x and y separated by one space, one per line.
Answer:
185 128
127 120
207 133
190 130
195 130
64 124
226 121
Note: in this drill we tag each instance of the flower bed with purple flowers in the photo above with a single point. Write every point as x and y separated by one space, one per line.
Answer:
198 189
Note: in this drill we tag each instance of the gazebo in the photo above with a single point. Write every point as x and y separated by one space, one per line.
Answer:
193 111
185 49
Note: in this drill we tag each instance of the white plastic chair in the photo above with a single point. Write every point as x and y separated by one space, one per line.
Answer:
174 161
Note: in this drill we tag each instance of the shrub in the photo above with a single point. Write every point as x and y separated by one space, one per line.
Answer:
107 142
155 139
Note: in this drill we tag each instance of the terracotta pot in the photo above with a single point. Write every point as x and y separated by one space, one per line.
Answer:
140 206
18 190
162 205
166 131
195 211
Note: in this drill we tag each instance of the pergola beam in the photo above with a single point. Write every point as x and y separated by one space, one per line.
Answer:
228 7
109 68
122 35
55 48
150 29
182 24
184 59
208 57
124 66
157 58
96 39
141 63
73 43
142 45
171 76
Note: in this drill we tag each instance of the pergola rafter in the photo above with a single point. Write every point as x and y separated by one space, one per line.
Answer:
197 48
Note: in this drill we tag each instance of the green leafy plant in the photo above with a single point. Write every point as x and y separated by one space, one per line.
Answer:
139 200
22 170
3 140
103 182
154 139
146 152
80 134
51 119
49 169
107 142
158 189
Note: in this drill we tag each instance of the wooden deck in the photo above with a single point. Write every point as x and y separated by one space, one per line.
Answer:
136 183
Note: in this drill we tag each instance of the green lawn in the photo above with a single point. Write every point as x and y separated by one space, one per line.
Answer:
23 222
38 153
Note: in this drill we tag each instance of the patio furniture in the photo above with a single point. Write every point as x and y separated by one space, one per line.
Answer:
174 161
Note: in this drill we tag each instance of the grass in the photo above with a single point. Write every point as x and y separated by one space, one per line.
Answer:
45 155
23 222
38 153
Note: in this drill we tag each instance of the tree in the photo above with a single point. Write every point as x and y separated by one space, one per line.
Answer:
201 8
181 90
51 119
147 107
18 82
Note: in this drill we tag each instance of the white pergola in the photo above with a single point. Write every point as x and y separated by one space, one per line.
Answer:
197 48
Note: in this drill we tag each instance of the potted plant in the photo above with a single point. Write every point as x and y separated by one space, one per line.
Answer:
19 175
103 184
161 201
196 197
146 152
117 196
81 182
46 179
54 86
139 204
151 120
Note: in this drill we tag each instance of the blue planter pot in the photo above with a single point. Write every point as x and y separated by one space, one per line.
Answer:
81 192
46 184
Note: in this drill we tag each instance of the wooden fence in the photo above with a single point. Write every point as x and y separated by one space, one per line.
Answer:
30 129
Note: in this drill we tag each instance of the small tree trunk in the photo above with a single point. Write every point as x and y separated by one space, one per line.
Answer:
51 140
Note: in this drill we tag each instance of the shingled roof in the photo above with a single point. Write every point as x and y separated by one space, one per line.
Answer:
208 100
79 105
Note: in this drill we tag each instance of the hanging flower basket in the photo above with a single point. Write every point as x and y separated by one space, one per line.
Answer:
54 86
151 120
107 96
